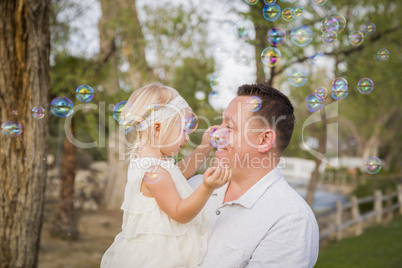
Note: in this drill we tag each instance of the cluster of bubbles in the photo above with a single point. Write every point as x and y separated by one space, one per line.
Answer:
272 12
372 165
297 78
339 89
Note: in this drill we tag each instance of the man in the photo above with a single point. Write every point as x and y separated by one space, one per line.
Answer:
258 220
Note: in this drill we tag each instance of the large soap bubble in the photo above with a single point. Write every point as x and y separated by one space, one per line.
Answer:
61 107
301 36
271 56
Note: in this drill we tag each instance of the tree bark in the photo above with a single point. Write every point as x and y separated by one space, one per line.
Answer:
65 223
24 84
322 147
120 19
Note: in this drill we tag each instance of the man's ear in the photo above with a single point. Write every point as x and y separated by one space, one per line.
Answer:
267 140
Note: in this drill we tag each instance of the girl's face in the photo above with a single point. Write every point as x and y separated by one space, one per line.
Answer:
176 139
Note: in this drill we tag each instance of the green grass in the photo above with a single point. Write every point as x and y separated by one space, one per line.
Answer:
379 246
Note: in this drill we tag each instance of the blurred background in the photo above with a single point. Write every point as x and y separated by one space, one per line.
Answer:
338 61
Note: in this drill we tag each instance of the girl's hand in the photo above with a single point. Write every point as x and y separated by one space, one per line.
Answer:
205 138
216 177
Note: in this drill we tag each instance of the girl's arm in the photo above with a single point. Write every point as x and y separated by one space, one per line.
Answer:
193 162
184 210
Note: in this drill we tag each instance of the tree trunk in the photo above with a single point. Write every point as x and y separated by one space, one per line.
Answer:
322 147
125 24
24 84
117 175
65 223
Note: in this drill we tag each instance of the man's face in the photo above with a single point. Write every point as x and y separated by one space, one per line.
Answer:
244 130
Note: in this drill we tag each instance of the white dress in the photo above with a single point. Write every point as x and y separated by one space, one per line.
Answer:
149 237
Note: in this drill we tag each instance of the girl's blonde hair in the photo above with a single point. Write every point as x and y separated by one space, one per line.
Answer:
141 104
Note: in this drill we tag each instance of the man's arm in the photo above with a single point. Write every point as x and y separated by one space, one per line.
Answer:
292 242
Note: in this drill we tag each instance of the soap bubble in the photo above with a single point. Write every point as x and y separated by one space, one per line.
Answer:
244 29
61 107
84 93
251 2
215 99
356 38
370 28
200 95
288 1
297 78
270 56
218 81
341 22
191 123
152 175
321 92
253 103
220 51
126 125
329 37
288 14
242 57
372 165
11 129
219 137
319 3
299 10
314 103
365 85
339 89
330 24
271 12
301 36
269 2
276 36
383 54
117 110
317 59
38 112
14 112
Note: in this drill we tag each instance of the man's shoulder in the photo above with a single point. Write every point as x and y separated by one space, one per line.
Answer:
286 200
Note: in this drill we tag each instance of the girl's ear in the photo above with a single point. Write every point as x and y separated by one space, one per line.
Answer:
156 129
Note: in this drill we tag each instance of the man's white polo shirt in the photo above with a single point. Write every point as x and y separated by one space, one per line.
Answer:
268 226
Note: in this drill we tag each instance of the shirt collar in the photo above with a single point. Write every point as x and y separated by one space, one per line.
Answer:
249 198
